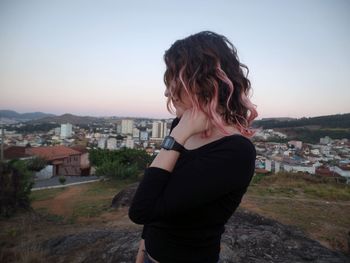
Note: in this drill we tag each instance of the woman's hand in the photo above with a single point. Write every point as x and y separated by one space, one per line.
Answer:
140 253
190 124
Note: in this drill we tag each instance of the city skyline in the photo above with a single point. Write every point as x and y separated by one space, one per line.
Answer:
105 59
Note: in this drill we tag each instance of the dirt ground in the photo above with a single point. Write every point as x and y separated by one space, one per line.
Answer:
61 205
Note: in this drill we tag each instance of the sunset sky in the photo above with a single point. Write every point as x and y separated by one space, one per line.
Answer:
104 58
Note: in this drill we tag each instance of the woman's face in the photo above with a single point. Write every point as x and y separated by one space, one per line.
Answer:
180 105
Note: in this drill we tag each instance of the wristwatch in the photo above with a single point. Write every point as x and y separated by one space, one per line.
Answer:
169 143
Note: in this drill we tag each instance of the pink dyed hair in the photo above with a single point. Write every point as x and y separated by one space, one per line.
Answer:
206 67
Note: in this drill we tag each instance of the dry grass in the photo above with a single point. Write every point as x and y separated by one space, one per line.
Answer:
320 208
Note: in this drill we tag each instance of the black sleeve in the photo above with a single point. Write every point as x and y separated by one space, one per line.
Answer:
162 194
173 125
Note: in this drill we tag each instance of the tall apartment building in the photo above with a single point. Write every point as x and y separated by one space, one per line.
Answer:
127 126
159 129
66 130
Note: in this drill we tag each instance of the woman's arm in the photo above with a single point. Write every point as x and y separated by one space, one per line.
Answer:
188 126
207 177
140 253
162 194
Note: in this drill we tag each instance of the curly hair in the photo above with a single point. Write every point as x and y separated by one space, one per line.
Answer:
207 67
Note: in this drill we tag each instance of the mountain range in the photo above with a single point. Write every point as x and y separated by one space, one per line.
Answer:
330 121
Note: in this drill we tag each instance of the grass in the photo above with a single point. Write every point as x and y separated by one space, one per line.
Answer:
94 209
45 194
299 185
318 207
106 188
328 192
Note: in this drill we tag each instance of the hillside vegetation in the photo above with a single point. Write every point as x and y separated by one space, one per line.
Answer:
329 121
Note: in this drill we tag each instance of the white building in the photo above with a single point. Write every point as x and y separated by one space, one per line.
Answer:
112 143
144 136
135 133
66 130
299 168
296 144
129 143
272 166
127 126
325 140
159 129
102 143
343 171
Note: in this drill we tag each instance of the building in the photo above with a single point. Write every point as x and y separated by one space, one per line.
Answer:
159 129
66 130
311 169
64 160
57 131
296 144
102 143
143 135
129 143
343 170
127 126
112 143
135 133
15 152
85 166
325 140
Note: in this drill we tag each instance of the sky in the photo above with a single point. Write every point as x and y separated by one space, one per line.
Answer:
105 58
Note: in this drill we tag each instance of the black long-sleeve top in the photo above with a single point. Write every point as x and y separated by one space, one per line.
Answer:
184 211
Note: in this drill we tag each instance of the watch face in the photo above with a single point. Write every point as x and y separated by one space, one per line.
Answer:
168 143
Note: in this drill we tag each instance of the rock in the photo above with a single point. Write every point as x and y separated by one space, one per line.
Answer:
124 197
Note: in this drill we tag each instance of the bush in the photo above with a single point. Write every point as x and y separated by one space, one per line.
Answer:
117 170
62 179
16 182
36 164
125 156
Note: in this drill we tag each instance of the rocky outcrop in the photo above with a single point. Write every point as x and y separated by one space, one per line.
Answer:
248 238
124 197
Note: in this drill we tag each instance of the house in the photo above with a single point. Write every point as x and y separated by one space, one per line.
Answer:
64 160
15 152
85 166
343 170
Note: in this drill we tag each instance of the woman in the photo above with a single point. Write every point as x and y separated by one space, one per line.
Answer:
198 178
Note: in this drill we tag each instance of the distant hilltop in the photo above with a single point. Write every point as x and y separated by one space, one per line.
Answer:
68 118
328 121
10 116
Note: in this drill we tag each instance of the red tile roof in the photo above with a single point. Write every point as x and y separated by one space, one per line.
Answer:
52 152
15 152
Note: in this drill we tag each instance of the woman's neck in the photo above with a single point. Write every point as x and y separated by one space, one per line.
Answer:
215 133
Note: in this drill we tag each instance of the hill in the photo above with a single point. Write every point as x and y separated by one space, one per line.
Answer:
10 116
68 118
328 121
